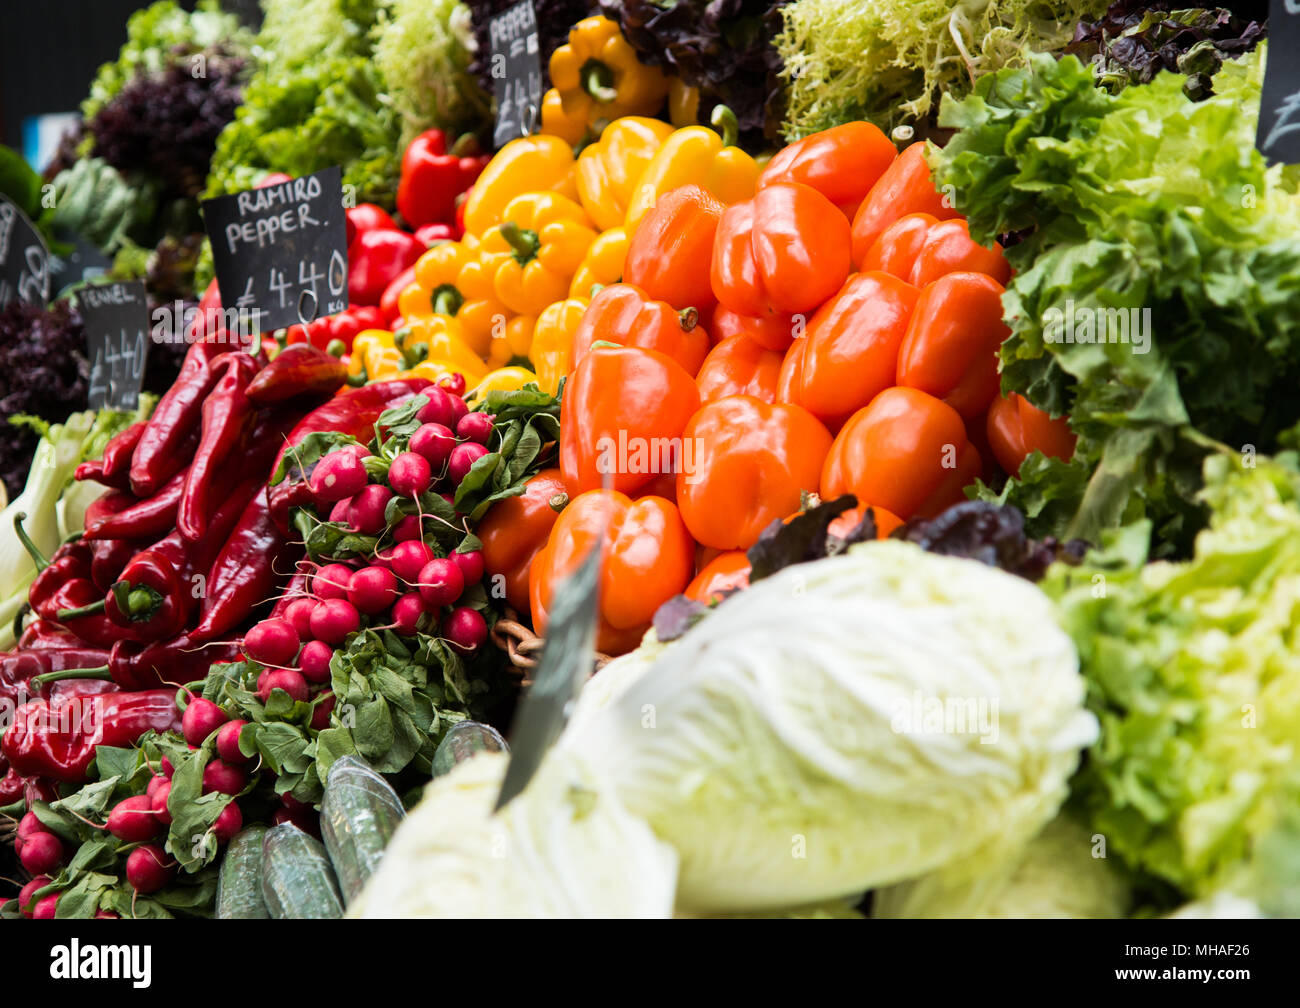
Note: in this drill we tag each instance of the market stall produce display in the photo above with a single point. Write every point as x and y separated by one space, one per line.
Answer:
921 373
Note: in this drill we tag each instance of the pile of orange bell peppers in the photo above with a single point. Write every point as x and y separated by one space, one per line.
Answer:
837 332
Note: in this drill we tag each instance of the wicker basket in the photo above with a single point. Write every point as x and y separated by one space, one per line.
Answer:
523 648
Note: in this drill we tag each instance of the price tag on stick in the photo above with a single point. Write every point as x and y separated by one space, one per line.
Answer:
281 251
24 259
116 317
1278 136
516 72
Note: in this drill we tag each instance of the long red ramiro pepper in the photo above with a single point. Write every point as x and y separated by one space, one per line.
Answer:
64 592
227 417
146 519
132 665
353 413
158 455
107 505
108 558
113 468
158 592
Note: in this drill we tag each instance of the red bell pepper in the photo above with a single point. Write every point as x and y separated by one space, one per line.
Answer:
368 217
432 234
432 177
392 294
375 259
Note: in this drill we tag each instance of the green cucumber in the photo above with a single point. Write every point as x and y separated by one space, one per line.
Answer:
297 880
464 740
239 886
358 816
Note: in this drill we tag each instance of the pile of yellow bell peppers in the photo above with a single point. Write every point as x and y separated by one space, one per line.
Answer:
545 229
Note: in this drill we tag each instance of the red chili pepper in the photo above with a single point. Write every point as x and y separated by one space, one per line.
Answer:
64 592
353 413
19 668
146 519
57 740
173 662
42 633
113 468
157 593
295 589
207 316
177 415
375 259
108 505
227 417
432 177
298 371
108 559
11 785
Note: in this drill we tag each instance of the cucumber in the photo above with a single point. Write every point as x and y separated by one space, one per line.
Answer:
239 886
358 816
462 741
297 880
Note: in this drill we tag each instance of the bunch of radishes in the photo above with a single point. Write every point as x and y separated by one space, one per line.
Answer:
405 585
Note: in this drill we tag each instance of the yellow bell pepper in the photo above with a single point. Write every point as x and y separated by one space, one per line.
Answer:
524 165
451 279
512 341
609 169
683 103
599 77
376 351
435 370
440 339
535 251
552 352
603 263
699 155
506 379
572 129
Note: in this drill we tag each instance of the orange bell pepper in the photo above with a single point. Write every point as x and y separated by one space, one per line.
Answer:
949 248
841 163
906 452
723 573
752 463
515 529
624 314
1017 428
895 251
739 366
783 252
847 521
773 332
852 345
648 558
668 257
622 417
906 187
951 346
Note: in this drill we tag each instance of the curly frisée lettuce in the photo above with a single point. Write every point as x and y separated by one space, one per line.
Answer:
1193 670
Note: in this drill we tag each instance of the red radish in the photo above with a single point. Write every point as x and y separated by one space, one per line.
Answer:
272 642
228 823
159 804
476 427
408 559
441 582
28 825
458 410
320 717
298 613
148 869
133 819
158 780
29 890
407 611
294 806
331 582
366 509
465 628
167 769
471 565
307 820
202 717
407 529
463 457
340 511
338 476
433 441
283 679
228 742
373 590
438 410
221 776
334 620
47 907
106 915
314 662
410 474
453 383
42 853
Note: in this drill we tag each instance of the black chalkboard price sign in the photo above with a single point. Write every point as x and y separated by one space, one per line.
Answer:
516 72
281 251
116 317
24 259
1278 136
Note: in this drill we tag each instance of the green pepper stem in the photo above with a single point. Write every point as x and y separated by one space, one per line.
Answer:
447 300
23 610
466 145
525 243
134 603
336 348
598 81
725 122
87 610
689 318
559 502
33 551
100 672
604 344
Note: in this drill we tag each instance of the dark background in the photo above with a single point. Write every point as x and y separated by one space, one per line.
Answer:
52 48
